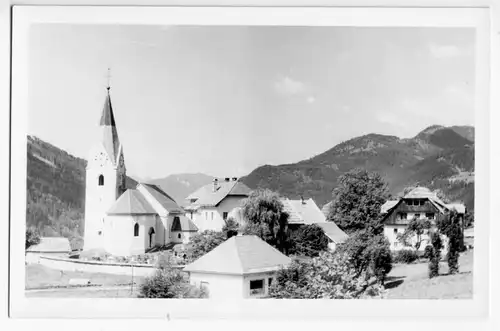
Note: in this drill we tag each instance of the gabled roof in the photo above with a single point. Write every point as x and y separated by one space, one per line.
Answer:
51 245
132 202
303 211
326 208
163 198
388 205
333 232
207 197
109 137
183 224
421 193
240 255
459 207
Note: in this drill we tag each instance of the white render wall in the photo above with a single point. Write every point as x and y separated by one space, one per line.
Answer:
396 245
219 286
119 234
212 218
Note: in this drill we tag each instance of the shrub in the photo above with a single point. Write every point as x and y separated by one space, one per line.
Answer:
32 237
451 227
204 242
405 256
328 276
168 283
308 240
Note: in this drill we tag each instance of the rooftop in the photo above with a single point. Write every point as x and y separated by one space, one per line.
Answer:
303 211
240 255
207 196
132 202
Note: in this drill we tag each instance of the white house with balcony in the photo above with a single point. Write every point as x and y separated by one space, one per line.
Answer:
210 206
241 267
419 203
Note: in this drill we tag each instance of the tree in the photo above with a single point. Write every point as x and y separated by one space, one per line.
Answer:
231 228
414 230
357 201
32 237
451 226
204 242
308 240
328 276
433 252
368 254
265 217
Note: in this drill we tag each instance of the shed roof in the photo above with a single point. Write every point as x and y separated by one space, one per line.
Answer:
206 196
51 245
333 232
240 255
132 202
303 211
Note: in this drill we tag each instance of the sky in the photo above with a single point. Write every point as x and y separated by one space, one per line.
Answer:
225 100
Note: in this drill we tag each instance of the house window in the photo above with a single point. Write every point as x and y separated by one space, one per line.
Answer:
395 231
179 236
136 230
409 202
206 215
99 232
269 282
212 216
101 180
417 216
224 215
429 216
422 202
256 287
403 216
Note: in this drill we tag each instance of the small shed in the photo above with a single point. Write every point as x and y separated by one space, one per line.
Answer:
240 267
48 246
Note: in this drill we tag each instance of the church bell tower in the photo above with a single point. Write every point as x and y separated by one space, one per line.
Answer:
105 177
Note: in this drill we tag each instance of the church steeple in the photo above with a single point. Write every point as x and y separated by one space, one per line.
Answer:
109 133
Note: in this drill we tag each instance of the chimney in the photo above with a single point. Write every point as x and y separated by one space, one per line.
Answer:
235 179
215 184
226 179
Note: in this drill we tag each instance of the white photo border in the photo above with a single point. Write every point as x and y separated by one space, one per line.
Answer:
24 16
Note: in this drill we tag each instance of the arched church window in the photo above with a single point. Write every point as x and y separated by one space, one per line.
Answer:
179 236
136 230
101 180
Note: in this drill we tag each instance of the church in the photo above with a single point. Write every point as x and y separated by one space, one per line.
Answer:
124 219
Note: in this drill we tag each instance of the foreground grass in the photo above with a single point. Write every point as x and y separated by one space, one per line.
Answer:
412 282
39 276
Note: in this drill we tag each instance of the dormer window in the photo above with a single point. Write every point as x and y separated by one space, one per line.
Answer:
101 180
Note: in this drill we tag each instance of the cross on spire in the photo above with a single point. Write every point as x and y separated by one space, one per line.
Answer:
109 79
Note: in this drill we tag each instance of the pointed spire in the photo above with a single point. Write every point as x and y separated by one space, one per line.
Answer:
109 132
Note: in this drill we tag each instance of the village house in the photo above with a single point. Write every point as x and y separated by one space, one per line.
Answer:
418 203
120 220
240 267
306 212
210 206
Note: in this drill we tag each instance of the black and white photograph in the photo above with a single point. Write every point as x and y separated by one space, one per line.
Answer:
235 161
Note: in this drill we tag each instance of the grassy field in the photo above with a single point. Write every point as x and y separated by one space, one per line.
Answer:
39 277
411 281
